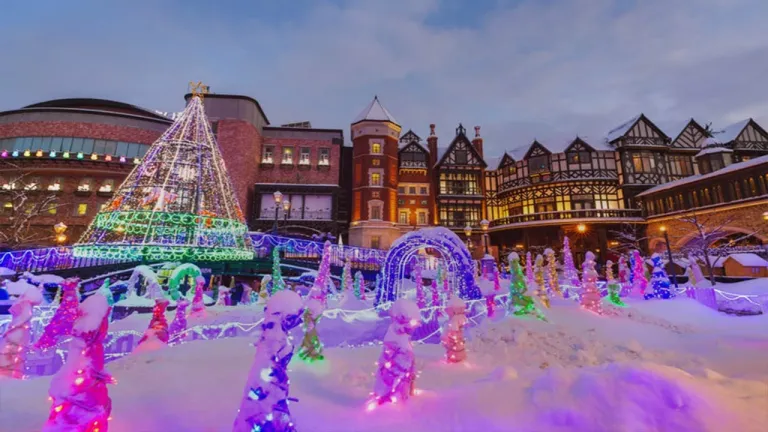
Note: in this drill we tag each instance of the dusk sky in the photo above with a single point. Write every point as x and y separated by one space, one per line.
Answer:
543 69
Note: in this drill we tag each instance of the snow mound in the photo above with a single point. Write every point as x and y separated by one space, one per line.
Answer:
17 288
5 271
404 308
645 397
513 257
284 303
45 278
93 310
33 295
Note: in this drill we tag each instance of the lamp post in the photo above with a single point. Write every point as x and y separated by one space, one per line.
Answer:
484 226
59 229
286 209
669 254
278 199
468 233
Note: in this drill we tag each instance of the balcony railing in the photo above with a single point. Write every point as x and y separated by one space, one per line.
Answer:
296 214
566 215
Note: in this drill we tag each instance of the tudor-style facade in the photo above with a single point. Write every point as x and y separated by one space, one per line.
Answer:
415 198
459 174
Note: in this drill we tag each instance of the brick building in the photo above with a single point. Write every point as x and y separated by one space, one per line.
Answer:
72 153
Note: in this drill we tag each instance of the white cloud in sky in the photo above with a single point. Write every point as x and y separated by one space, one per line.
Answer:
522 70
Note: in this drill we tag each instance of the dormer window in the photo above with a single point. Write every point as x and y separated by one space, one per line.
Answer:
538 164
579 157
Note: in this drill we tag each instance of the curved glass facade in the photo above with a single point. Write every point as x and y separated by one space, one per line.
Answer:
75 145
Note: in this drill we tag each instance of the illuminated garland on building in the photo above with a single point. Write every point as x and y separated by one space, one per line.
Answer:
177 205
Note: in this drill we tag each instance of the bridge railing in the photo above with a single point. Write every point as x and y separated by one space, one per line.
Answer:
58 258
48 259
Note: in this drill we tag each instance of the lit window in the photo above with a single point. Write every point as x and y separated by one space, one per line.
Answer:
423 190
376 148
288 155
85 185
107 186
55 185
82 209
33 184
401 189
375 212
412 190
375 179
376 162
304 156
7 207
375 242
52 208
267 156
404 217
422 218
325 157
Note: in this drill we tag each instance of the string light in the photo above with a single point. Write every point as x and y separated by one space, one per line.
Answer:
590 296
178 205
614 288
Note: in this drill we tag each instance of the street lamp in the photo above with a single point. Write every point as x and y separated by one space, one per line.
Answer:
484 226
765 216
286 209
59 229
669 254
278 199
581 228
468 233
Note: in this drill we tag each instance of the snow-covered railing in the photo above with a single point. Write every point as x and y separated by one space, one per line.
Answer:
48 259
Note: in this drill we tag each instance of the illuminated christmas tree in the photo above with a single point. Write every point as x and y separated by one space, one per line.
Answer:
106 291
453 335
177 204
179 323
570 274
659 281
15 341
157 332
421 298
552 279
590 295
396 374
264 405
359 287
639 282
278 284
520 302
64 317
624 275
311 348
614 288
79 389
319 290
198 306
538 274
528 269
346 278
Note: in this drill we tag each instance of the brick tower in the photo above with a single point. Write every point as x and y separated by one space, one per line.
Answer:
375 134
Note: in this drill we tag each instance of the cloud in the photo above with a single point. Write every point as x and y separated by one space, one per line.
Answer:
522 69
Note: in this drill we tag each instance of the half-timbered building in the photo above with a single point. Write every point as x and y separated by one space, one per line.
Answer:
415 199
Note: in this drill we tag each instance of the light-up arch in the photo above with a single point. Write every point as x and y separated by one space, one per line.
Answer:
442 240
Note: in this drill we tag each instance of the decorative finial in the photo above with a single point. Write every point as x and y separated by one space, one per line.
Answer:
477 131
460 130
432 129
198 89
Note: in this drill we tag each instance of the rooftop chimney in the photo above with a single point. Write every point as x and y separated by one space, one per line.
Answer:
477 141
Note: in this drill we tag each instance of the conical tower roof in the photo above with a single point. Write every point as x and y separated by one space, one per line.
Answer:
176 205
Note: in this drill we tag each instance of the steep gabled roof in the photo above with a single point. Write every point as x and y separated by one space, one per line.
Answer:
414 144
505 160
732 131
625 127
409 137
461 136
375 111
534 145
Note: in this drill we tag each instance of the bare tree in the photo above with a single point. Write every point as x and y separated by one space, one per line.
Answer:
709 229
26 200
627 238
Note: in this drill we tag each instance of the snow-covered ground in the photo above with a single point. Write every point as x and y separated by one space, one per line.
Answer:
657 365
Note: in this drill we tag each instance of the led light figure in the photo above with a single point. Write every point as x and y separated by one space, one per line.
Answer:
396 375
80 155
453 336
65 155
520 303
614 288
541 290
590 296
265 402
659 281
16 338
64 317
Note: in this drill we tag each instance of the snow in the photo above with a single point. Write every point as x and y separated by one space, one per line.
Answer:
748 260
32 294
46 278
375 111
656 366
730 168
284 302
712 150
93 310
5 271
16 288
731 132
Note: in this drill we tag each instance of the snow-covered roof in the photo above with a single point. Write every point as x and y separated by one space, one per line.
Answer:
518 153
716 261
676 129
730 168
748 259
620 130
493 162
731 132
711 150
375 111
